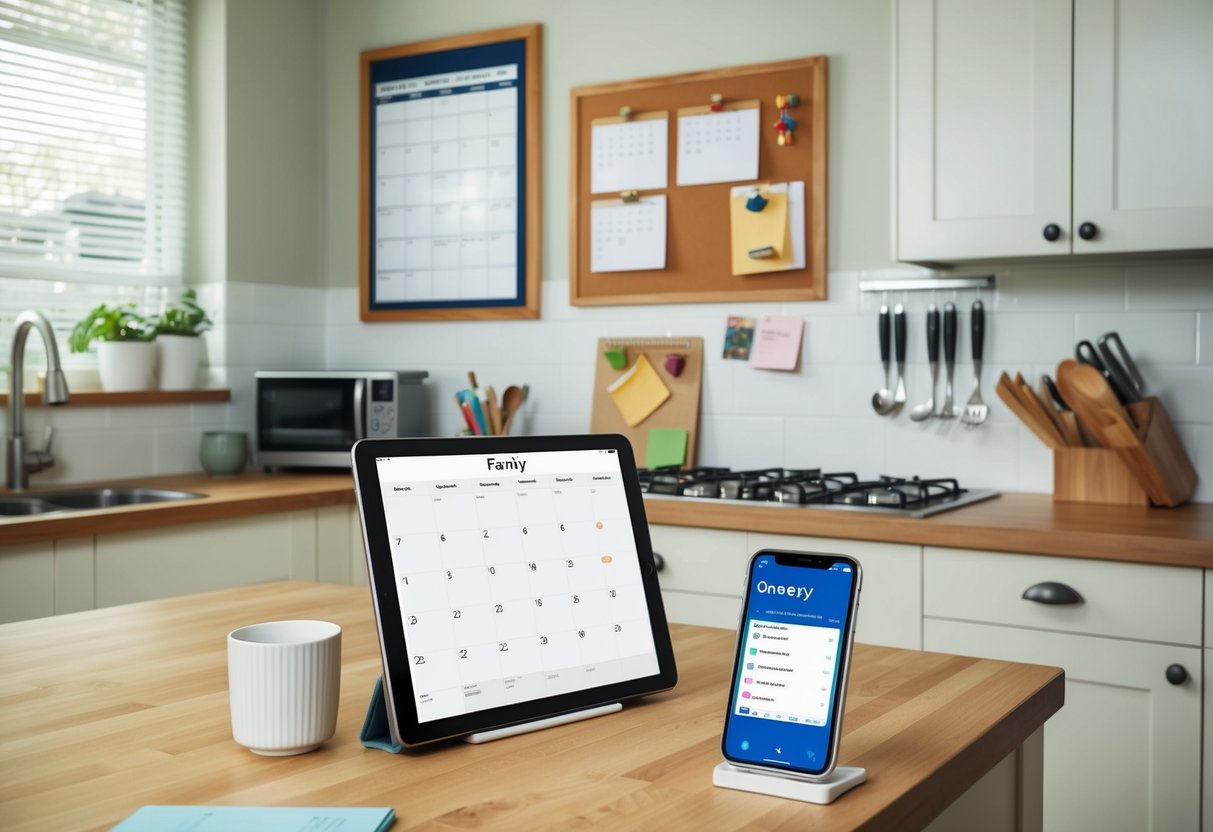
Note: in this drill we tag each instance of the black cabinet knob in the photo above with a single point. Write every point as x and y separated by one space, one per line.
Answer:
1177 674
1052 593
1087 231
658 562
1052 232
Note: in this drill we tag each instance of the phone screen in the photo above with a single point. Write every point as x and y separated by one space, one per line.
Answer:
793 651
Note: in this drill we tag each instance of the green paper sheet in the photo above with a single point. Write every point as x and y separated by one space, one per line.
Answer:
665 447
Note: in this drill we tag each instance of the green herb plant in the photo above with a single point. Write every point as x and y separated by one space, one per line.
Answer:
183 317
110 323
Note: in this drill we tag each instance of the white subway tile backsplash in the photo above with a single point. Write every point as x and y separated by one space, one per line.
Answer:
818 415
1151 338
1184 285
1075 288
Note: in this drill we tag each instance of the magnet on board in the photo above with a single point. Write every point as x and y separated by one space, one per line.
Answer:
625 113
675 363
617 357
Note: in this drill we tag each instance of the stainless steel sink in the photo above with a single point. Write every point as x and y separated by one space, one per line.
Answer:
25 506
88 498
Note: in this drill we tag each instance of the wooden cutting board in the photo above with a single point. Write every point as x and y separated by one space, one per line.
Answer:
680 410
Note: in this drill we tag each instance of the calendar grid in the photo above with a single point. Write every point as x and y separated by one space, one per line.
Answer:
514 588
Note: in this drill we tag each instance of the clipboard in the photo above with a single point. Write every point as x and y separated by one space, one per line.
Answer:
680 411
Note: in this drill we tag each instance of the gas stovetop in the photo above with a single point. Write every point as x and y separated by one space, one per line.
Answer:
814 488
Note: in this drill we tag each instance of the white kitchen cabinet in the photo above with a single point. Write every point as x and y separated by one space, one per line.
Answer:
1017 120
703 579
61 576
1125 751
160 563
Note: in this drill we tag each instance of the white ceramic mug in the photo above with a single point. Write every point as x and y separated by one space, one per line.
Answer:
284 678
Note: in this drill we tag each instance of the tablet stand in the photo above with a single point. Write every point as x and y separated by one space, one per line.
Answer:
779 784
377 734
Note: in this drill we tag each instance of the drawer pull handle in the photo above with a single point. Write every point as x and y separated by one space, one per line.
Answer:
1052 592
658 562
1177 674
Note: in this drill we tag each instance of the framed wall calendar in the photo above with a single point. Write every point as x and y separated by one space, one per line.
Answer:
449 173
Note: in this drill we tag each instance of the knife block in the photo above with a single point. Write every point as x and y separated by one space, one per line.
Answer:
1147 467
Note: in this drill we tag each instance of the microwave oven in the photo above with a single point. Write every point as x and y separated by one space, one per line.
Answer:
311 419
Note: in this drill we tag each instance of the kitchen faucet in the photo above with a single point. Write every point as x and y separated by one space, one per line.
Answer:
22 463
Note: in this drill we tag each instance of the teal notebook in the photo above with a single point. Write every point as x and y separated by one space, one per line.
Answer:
257 819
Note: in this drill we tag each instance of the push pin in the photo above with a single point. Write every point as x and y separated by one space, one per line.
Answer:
625 113
785 127
717 102
756 203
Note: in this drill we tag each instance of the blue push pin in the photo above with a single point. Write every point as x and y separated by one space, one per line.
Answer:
756 203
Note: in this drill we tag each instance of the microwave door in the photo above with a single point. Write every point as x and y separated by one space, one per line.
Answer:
309 415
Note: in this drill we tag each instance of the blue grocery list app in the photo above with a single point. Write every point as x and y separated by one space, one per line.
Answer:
791 650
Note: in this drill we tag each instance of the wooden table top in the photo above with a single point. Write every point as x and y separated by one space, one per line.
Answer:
1026 523
104 711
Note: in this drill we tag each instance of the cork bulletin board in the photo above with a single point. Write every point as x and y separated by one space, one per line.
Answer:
698 242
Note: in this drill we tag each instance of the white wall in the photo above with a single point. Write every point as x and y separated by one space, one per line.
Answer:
821 414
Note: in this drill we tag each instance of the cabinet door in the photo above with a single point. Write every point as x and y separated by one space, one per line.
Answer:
1143 124
1124 752
983 128
703 574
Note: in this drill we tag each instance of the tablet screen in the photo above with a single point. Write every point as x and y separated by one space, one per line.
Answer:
517 576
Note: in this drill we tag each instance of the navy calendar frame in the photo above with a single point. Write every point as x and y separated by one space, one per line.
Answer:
439 224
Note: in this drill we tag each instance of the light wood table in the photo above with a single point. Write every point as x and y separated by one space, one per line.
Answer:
104 711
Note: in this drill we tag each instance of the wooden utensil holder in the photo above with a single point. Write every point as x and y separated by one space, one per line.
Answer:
1151 469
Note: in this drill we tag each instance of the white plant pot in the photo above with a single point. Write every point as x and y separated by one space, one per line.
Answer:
127 365
177 362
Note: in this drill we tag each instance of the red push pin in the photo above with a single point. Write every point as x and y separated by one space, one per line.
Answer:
717 103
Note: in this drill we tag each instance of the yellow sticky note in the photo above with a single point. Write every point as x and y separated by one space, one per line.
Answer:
765 229
638 392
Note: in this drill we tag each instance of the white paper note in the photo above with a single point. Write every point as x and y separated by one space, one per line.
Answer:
629 155
718 147
628 236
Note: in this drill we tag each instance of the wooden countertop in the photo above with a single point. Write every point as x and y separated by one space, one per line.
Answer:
1026 523
104 711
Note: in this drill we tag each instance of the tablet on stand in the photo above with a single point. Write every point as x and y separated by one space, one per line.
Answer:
513 583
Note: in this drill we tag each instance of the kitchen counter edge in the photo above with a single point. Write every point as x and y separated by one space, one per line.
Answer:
1015 522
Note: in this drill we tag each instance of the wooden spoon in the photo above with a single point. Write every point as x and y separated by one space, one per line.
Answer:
511 400
1089 395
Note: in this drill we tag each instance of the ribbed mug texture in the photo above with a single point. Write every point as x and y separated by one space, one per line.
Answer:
284 679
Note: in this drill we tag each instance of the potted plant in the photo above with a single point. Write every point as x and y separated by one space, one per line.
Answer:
177 342
125 352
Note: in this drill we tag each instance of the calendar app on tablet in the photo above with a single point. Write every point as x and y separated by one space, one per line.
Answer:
517 575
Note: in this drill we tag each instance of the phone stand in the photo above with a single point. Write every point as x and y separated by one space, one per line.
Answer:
778 784
377 734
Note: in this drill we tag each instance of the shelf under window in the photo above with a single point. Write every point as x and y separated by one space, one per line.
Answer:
103 398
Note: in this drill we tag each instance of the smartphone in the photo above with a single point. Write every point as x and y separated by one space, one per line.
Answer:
793 656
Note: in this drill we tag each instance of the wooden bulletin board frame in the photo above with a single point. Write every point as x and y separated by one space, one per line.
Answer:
388 294
698 268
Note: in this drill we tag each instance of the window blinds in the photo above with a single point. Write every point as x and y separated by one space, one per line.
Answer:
92 140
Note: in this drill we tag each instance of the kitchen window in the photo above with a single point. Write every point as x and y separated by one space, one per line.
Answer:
93 141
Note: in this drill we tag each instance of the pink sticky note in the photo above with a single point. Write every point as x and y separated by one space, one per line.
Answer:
777 343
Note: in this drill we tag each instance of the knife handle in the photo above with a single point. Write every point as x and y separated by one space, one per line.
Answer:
978 323
884 333
899 331
949 332
932 334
